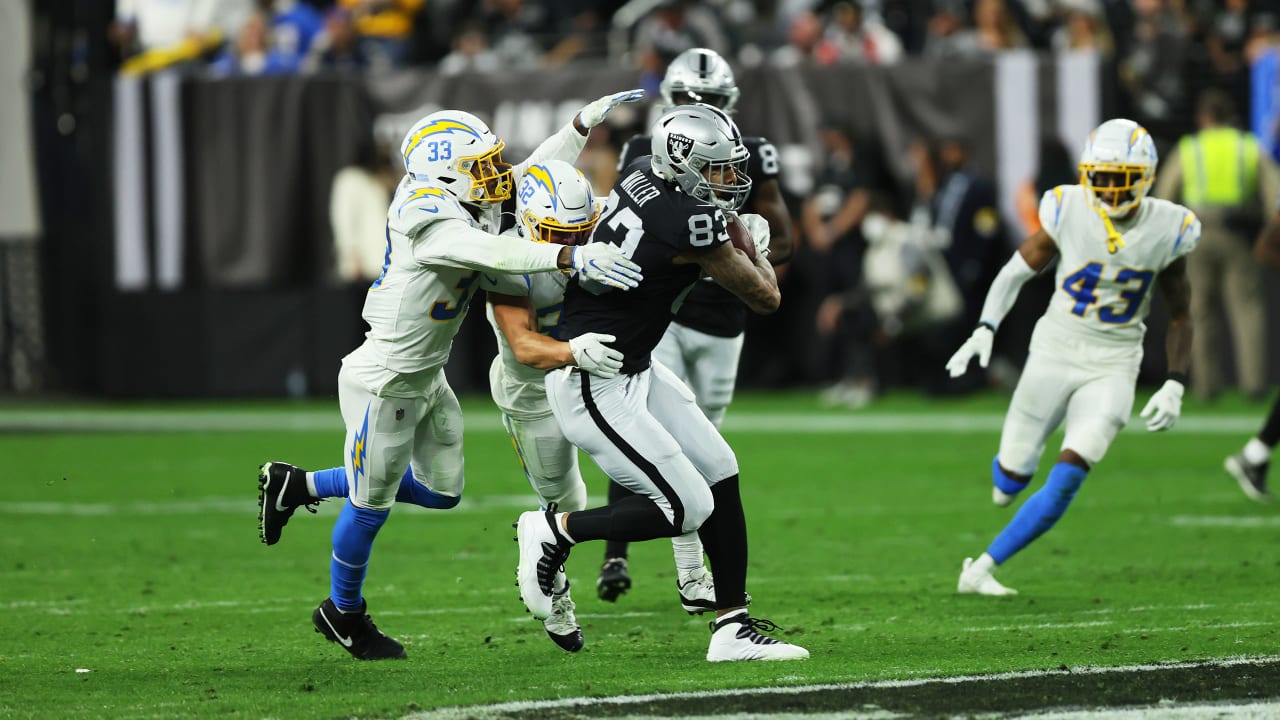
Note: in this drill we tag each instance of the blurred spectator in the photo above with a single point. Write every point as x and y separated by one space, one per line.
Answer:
1084 27
294 27
860 37
1054 167
1153 72
676 26
154 34
337 47
252 54
965 207
805 43
470 52
385 27
358 213
1223 177
516 30
839 199
993 30
145 25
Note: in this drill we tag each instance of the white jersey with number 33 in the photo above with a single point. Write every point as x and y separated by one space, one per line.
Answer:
1104 295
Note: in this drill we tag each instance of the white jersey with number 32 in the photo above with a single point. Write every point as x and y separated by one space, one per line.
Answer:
1104 295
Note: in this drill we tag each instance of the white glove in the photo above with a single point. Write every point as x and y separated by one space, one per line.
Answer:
605 264
979 344
1164 407
593 113
591 354
759 229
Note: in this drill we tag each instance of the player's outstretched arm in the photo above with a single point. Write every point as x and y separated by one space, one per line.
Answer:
753 283
1267 249
453 243
1165 406
568 142
518 324
1033 255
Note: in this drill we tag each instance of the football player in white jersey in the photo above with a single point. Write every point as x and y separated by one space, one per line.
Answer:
1113 245
404 425
554 205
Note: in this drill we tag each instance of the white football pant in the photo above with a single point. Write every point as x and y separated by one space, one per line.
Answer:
646 433
385 435
707 363
1091 386
550 461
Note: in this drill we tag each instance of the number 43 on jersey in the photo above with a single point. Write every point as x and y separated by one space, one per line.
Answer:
1082 286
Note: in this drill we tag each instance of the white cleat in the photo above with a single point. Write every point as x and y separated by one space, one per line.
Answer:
697 591
1000 497
737 636
542 554
562 625
975 581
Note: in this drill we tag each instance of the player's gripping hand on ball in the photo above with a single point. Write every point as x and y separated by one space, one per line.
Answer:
978 344
758 227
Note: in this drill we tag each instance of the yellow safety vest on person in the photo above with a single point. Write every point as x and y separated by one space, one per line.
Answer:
1219 167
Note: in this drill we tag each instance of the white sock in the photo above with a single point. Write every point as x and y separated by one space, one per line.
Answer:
559 517
688 551
311 485
1256 452
985 564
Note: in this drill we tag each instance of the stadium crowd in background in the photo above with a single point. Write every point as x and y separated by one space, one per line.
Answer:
883 301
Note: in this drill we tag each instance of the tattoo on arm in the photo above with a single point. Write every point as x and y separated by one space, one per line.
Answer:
754 284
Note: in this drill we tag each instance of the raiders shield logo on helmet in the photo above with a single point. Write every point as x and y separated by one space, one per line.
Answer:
678 147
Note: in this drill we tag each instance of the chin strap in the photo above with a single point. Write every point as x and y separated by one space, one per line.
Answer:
1115 240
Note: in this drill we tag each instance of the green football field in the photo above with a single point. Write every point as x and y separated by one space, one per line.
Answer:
133 584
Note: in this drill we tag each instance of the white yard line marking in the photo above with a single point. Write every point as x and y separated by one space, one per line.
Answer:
1227 521
533 708
122 420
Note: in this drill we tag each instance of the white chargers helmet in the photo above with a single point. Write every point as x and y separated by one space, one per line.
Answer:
1118 166
458 153
699 75
555 204
699 148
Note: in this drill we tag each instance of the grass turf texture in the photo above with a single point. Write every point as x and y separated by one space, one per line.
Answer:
135 556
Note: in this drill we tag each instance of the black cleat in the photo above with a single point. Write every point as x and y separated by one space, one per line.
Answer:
355 632
1252 478
614 580
282 488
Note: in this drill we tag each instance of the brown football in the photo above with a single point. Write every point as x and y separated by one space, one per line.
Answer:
739 236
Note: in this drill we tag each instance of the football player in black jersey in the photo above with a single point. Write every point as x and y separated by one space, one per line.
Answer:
704 340
643 428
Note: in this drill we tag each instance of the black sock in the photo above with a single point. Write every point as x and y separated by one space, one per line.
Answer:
1270 434
724 536
616 548
631 519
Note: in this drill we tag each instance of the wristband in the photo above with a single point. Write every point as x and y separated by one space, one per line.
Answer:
1178 377
986 324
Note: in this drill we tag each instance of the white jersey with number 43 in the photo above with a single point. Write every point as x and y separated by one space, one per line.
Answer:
1104 295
